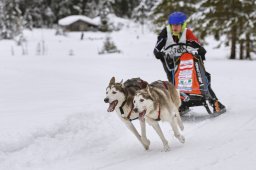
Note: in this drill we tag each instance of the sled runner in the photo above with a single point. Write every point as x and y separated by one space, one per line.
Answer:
188 74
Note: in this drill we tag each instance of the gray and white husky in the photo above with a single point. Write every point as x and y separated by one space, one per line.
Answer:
160 101
120 98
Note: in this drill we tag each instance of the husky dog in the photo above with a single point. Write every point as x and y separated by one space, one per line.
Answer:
120 98
160 101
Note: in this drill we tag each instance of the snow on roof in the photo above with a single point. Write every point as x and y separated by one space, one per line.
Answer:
73 18
96 20
113 18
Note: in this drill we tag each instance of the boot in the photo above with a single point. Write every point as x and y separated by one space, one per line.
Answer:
218 107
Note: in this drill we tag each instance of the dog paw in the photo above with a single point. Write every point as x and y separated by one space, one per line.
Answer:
181 139
166 148
146 147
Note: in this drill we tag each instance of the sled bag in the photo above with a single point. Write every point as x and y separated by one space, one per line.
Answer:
187 75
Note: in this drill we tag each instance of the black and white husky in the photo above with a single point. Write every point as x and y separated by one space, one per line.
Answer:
160 101
120 98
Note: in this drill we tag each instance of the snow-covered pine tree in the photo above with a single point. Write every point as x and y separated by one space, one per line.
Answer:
26 7
28 20
124 8
232 19
106 8
142 12
2 26
144 9
139 14
61 8
109 46
78 7
216 18
249 27
12 23
162 10
34 9
92 9
48 16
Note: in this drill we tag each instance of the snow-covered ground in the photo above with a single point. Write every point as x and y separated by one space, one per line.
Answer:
53 116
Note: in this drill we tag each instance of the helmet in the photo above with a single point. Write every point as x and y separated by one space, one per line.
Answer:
176 18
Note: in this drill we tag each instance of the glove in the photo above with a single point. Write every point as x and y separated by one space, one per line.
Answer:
202 52
193 44
159 55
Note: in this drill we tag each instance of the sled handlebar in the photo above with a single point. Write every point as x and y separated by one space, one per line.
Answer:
180 44
185 46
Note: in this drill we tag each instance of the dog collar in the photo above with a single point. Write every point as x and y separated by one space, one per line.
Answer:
122 111
121 108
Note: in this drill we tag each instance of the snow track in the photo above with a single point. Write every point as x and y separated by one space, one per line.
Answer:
45 146
53 116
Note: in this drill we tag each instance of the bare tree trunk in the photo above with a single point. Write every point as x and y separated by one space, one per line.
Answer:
241 54
233 43
248 49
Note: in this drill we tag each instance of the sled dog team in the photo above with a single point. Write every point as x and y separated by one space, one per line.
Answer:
151 103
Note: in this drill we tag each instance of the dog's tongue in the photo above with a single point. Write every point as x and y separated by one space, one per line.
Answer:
112 106
142 114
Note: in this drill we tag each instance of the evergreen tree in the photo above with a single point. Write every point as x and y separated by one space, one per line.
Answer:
48 16
28 20
105 10
92 9
124 8
78 7
12 23
143 10
140 13
45 13
163 9
217 18
26 7
61 8
2 26
232 19
249 26
35 13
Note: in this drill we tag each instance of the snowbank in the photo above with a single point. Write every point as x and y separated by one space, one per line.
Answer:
53 116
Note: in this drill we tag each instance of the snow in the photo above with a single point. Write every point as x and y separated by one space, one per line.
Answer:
53 116
73 18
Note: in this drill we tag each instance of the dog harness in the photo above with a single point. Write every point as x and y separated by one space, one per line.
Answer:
165 84
159 110
129 115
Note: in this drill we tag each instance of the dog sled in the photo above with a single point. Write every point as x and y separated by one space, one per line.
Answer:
188 74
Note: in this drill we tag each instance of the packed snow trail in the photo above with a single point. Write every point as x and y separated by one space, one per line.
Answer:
53 115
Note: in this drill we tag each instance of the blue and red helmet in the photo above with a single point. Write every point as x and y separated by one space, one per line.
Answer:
177 18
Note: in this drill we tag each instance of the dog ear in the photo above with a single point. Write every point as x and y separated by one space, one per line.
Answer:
112 81
123 86
148 88
121 81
